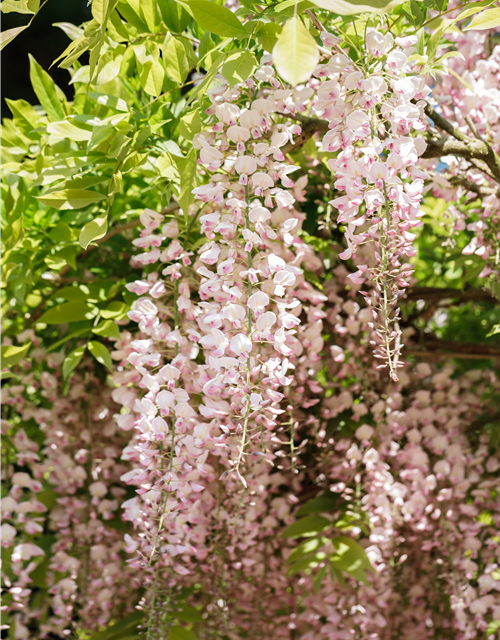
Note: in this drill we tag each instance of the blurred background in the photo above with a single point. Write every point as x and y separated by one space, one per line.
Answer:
44 41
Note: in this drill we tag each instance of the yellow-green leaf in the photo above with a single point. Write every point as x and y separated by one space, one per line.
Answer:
71 199
115 310
107 329
66 129
68 312
486 20
190 124
93 230
174 15
238 67
175 58
109 65
306 526
11 355
9 35
151 77
351 7
46 90
20 6
296 53
267 35
215 18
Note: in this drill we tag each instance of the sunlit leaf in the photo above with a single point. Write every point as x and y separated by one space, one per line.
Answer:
296 53
350 7
238 67
487 20
68 312
71 199
306 526
11 354
215 18
45 90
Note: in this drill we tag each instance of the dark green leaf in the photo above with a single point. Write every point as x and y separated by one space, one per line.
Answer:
101 354
71 361
322 504
306 526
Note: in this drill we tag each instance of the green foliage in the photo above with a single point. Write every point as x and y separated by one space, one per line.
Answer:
322 552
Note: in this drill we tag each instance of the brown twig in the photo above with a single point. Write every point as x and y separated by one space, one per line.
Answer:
459 144
442 293
436 348
309 127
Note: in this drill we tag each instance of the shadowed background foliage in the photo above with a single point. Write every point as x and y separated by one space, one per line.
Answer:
44 41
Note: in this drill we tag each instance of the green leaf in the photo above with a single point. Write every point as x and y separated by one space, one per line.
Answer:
351 7
5 375
494 330
322 504
414 13
351 553
306 526
101 10
472 8
26 117
307 564
267 35
318 579
438 5
46 90
179 633
67 129
151 77
149 14
121 629
70 199
188 169
216 19
305 548
175 59
190 124
296 53
115 310
130 10
20 6
9 35
93 230
71 361
109 65
101 354
207 80
11 355
68 312
486 20
238 67
174 15
189 614
166 167
433 43
107 329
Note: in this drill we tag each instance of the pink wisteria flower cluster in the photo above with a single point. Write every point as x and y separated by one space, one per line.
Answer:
254 392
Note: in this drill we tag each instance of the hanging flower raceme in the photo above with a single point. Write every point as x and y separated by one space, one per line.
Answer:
372 113
63 490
